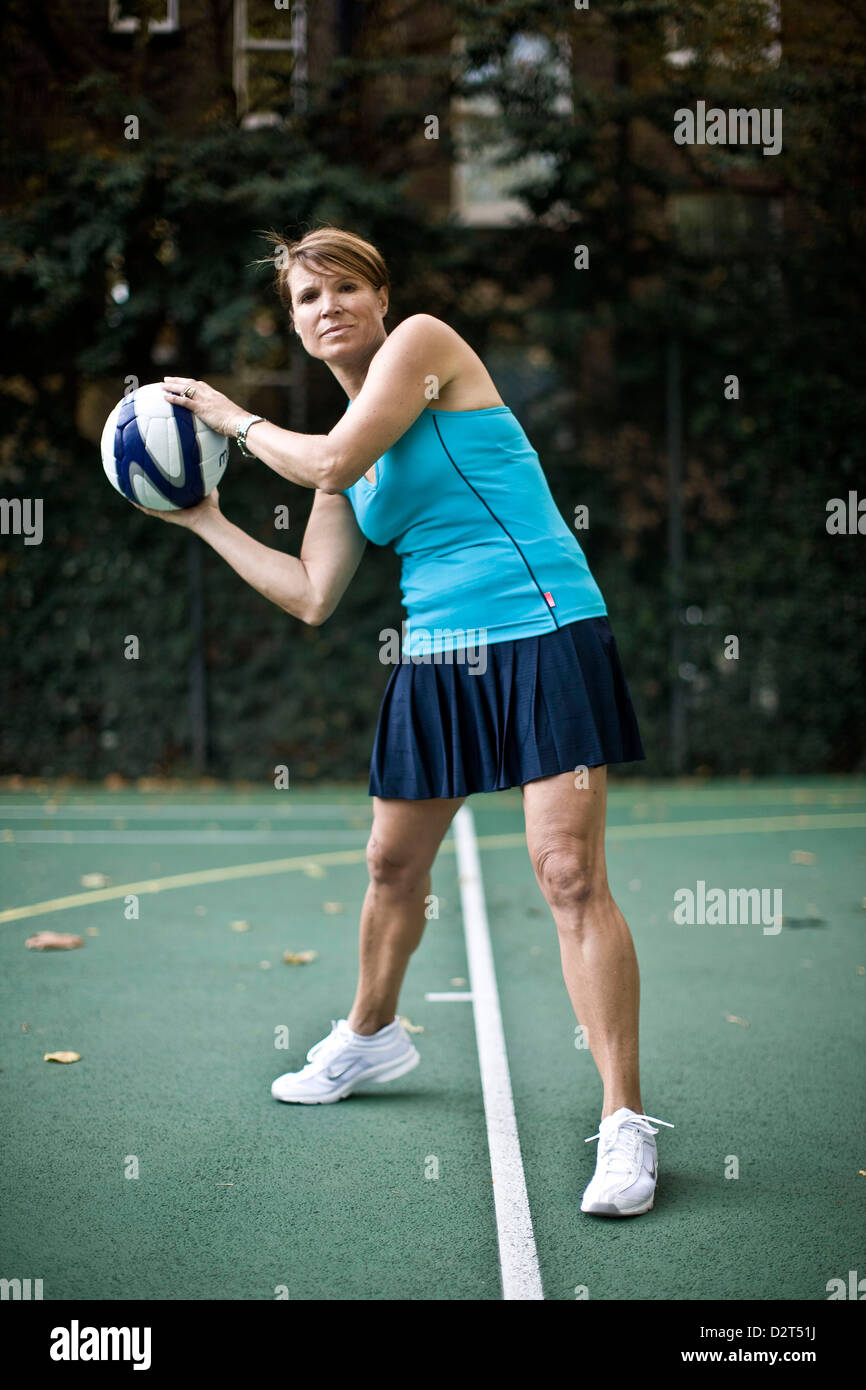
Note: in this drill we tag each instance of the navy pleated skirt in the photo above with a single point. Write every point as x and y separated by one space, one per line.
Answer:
531 708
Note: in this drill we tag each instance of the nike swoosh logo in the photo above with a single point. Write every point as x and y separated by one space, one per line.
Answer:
335 1075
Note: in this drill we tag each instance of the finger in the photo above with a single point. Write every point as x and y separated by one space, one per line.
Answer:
177 397
176 386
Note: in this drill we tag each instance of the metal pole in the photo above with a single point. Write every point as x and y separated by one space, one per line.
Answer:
298 387
239 57
197 666
299 42
675 552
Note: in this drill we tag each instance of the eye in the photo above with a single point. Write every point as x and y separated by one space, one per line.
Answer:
349 286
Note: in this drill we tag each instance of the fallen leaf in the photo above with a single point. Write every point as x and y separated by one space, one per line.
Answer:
299 957
95 880
458 981
862 1172
240 926
265 964
62 1057
410 1026
333 907
861 969
92 931
803 856
53 941
314 871
732 1018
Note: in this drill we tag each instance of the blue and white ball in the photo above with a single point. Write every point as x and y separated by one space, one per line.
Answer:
160 455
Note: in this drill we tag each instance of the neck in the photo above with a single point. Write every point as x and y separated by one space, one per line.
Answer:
352 375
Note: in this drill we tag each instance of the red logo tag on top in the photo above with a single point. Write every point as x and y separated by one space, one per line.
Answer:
551 600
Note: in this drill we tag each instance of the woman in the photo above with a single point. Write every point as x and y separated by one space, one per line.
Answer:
514 677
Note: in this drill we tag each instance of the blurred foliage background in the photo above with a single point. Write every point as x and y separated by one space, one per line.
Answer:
134 257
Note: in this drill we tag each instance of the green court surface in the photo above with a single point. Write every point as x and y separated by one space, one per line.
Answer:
751 1045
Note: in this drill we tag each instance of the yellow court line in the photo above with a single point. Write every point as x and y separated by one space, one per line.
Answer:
160 885
674 829
743 825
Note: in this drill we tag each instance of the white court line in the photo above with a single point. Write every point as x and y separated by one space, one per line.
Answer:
182 837
445 998
262 810
518 1258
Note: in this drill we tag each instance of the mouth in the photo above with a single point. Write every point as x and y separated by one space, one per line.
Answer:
341 328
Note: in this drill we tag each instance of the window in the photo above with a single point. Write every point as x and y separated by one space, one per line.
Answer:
125 16
270 60
483 183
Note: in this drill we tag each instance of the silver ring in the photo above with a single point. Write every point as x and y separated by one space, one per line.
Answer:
190 391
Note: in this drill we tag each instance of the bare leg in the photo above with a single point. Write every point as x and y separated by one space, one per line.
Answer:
405 838
565 837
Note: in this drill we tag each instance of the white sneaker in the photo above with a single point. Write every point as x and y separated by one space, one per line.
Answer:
626 1169
340 1063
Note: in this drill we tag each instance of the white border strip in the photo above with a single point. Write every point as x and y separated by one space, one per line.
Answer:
518 1258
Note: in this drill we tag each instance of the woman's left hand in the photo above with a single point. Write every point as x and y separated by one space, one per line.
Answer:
211 406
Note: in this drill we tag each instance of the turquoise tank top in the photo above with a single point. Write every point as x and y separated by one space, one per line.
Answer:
486 555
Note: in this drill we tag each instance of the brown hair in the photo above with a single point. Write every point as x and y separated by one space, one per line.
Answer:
329 249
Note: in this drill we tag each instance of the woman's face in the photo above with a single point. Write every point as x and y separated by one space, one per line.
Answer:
337 316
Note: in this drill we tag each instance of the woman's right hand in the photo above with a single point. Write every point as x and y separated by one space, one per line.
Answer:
190 517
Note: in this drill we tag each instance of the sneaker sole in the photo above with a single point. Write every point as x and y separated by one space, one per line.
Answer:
387 1071
608 1209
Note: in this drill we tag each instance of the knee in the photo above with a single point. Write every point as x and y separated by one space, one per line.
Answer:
568 877
392 869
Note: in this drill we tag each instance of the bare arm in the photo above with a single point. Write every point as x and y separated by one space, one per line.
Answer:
417 360
330 552
308 587
414 363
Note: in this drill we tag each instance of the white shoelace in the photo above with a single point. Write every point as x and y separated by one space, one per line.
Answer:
614 1138
321 1051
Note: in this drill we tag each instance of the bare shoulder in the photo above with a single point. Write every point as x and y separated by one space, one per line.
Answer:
426 336
424 348
425 328
423 323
